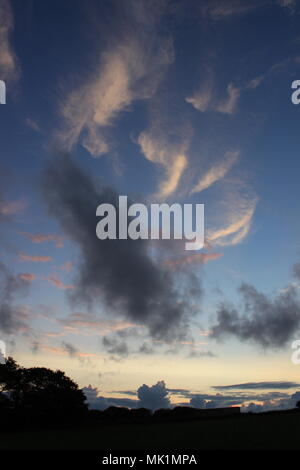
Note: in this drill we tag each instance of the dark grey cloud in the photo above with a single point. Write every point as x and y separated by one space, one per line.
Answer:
153 397
268 322
13 318
70 349
115 346
35 347
258 386
119 273
145 348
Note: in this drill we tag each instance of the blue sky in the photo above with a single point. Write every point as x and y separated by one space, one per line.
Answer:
165 102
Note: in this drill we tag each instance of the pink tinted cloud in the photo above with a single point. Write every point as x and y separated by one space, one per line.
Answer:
43 237
35 259
67 266
76 321
63 351
27 277
12 207
59 284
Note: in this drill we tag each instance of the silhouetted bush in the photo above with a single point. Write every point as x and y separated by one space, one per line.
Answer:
39 396
116 413
162 414
140 415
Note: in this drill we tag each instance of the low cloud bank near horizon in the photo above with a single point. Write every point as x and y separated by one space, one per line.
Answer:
158 396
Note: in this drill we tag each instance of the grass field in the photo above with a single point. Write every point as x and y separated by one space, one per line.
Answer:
269 431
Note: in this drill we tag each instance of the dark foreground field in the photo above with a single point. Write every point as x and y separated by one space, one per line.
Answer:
265 431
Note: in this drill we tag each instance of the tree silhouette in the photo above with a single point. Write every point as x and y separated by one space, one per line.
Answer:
40 389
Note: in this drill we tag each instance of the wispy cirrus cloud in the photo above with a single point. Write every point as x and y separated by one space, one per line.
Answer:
234 232
268 322
234 214
9 69
228 105
66 349
168 155
129 70
218 10
201 99
218 171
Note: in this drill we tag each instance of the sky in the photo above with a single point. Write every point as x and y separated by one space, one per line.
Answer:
165 102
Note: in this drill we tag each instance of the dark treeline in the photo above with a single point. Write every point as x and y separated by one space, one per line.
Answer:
39 397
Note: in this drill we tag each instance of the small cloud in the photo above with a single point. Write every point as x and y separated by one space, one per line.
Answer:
78 321
12 207
67 349
172 157
229 104
205 100
34 259
153 397
42 238
255 82
67 266
35 347
59 284
129 70
202 98
268 322
32 124
71 350
145 349
27 277
115 346
201 354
